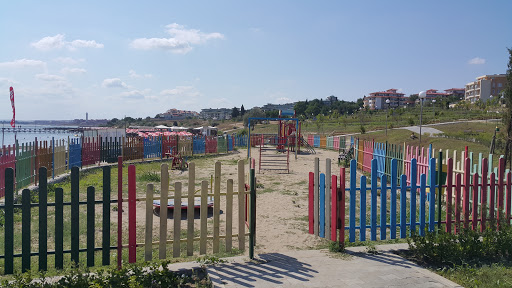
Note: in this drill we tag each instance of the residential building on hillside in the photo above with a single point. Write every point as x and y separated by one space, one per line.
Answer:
433 94
216 114
484 87
276 107
377 100
175 114
330 100
456 92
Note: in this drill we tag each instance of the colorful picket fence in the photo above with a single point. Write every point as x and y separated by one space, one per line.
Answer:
365 151
60 156
21 241
398 205
7 160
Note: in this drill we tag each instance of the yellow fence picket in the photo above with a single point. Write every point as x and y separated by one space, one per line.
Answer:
229 215
148 255
177 220
164 195
204 212
241 205
216 208
190 209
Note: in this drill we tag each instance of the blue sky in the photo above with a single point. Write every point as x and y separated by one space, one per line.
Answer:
140 58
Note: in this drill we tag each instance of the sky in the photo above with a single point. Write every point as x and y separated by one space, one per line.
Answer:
140 58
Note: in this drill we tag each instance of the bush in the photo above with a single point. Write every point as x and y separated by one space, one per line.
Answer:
362 129
149 176
466 248
156 275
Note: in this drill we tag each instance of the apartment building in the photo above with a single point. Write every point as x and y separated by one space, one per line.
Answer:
216 114
175 114
377 100
484 87
277 107
456 92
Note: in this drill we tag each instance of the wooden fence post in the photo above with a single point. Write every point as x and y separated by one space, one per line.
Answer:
164 195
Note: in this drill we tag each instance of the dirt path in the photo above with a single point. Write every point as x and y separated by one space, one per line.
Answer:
282 202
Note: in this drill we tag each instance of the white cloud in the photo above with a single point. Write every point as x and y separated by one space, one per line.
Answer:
59 41
283 100
68 60
255 30
67 70
476 61
49 77
134 94
7 81
113 82
23 63
180 91
181 41
185 97
134 75
220 103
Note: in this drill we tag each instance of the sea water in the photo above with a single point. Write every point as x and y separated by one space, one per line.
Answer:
8 138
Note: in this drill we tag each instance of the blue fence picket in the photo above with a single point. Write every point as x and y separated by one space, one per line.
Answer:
75 153
152 147
392 218
362 210
230 142
423 186
432 207
373 192
412 210
198 145
321 219
403 206
379 153
383 209
316 141
352 207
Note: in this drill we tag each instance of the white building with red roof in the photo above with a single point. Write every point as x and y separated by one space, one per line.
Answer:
377 100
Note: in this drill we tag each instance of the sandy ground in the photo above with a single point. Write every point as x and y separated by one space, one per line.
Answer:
282 202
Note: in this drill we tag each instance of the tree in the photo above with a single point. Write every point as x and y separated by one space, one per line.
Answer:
235 112
242 110
507 115
254 113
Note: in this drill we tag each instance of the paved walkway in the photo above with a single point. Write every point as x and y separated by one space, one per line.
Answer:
424 130
318 268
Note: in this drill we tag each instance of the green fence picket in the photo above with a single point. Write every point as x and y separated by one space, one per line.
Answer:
90 226
106 216
9 221
59 228
75 216
43 219
25 230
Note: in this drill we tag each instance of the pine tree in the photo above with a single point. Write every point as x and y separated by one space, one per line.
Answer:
242 110
507 116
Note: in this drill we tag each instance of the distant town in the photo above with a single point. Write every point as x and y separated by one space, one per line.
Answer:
483 88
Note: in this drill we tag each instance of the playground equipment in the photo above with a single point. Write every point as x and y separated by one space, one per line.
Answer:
177 160
286 130
275 149
272 159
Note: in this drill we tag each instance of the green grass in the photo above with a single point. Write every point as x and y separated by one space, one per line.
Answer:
148 171
494 275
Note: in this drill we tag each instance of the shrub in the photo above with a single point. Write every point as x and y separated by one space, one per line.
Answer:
149 176
155 275
362 129
466 248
